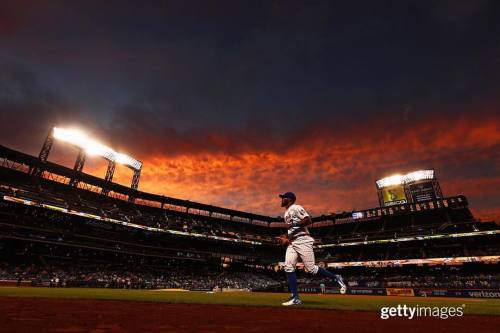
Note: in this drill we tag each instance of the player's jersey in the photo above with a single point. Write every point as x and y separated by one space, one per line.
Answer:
293 215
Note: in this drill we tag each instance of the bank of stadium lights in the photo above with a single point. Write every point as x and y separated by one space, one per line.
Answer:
405 179
92 147
87 146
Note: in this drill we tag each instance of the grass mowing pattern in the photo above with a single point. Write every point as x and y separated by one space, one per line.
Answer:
338 302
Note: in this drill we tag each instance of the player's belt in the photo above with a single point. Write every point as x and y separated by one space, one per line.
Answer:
300 234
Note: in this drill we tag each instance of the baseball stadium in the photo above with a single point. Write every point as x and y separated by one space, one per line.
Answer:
237 166
78 247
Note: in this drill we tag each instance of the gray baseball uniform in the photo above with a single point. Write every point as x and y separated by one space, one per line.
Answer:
301 243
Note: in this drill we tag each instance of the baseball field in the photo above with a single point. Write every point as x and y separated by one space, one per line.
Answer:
117 310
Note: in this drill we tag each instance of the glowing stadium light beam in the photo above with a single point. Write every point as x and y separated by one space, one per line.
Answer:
389 181
92 147
419 175
405 179
72 136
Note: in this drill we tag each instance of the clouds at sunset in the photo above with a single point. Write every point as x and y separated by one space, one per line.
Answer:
330 170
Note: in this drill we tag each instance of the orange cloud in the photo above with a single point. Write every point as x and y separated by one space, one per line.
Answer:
333 171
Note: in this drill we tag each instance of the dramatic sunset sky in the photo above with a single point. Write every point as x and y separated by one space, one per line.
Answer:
232 102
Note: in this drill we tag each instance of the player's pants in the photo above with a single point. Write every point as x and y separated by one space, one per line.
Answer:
301 247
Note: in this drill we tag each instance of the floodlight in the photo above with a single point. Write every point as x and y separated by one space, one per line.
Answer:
92 147
419 175
389 181
405 179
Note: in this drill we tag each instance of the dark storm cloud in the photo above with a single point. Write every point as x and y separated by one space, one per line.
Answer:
26 106
230 64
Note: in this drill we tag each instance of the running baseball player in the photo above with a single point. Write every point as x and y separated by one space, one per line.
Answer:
300 245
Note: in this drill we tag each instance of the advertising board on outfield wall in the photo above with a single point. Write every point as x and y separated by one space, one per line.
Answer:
399 292
427 292
367 291
469 293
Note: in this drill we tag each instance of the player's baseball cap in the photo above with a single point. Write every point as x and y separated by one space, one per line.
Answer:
289 195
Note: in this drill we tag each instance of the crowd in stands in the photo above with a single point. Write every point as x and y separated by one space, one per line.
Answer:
59 228
107 275
453 281
173 275
56 230
411 277
146 216
485 245
63 250
423 223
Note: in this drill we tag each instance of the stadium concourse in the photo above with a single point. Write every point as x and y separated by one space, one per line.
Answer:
60 227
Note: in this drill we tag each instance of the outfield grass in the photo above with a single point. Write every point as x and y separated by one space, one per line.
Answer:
338 302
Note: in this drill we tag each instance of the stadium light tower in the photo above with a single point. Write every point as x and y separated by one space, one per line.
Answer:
88 147
43 156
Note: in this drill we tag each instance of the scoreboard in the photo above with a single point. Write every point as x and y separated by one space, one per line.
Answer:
394 195
413 187
423 191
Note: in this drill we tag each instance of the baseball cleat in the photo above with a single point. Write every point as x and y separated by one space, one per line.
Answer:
292 302
343 290
343 287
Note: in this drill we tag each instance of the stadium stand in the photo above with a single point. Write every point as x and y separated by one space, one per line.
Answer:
55 234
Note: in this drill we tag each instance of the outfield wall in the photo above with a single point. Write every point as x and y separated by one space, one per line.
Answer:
14 283
469 293
408 292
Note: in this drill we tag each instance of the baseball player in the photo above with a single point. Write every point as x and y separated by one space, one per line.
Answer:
300 245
